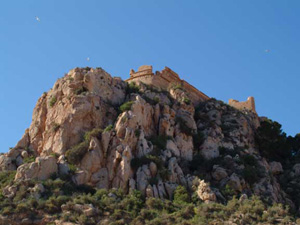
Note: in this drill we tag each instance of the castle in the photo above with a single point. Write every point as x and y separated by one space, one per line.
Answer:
167 78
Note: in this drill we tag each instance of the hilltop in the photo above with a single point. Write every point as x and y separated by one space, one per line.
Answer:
101 150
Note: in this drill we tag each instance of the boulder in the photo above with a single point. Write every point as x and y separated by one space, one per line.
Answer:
219 173
235 183
6 163
275 167
204 192
41 169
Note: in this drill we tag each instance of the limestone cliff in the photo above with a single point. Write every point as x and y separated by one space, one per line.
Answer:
108 133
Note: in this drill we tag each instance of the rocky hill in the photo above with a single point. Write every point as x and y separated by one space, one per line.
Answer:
101 150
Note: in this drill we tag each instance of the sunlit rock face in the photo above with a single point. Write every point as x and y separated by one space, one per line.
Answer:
142 135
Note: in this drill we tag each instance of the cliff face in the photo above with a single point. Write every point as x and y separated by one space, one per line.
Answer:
106 133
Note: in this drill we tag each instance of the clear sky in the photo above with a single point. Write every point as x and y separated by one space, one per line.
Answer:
218 46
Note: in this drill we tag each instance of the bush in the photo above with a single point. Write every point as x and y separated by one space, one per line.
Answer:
80 90
151 101
126 106
272 142
181 196
198 139
200 165
137 133
177 86
135 163
96 132
108 128
187 101
29 159
160 141
249 160
77 152
183 127
250 174
52 101
132 88
6 178
155 203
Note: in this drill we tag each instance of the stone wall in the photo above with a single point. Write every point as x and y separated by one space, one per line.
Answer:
248 105
165 79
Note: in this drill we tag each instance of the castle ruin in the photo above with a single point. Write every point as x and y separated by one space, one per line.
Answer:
248 105
164 80
167 78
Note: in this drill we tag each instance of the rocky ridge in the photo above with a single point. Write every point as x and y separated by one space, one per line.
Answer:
103 132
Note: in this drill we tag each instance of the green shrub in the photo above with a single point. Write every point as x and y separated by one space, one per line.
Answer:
135 163
132 87
273 142
29 159
96 132
198 139
249 160
52 101
137 133
177 86
126 106
55 155
6 178
22 208
228 191
156 99
80 90
155 203
250 174
187 101
200 165
160 141
183 127
108 128
77 152
181 196
151 101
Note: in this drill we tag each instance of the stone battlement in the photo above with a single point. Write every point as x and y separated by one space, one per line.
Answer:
165 79
248 105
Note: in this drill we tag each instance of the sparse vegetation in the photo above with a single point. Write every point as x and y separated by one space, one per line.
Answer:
96 132
183 127
187 101
177 87
273 142
181 195
52 101
80 90
137 133
55 127
76 153
126 106
132 87
198 140
109 128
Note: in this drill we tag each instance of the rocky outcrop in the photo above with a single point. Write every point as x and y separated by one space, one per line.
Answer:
77 102
204 191
41 169
142 137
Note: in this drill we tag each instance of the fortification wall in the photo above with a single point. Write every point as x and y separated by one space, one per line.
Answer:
165 79
248 105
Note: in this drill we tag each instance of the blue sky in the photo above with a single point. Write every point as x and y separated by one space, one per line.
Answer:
216 45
